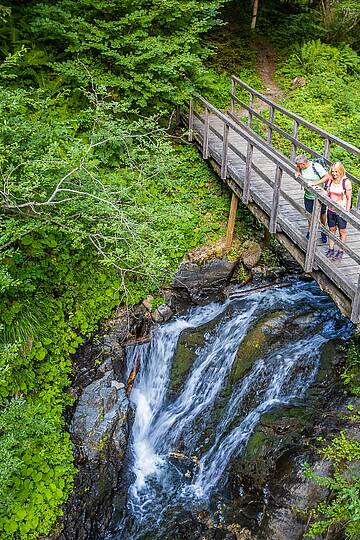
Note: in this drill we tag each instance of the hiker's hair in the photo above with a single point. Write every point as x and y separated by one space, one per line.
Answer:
301 159
339 167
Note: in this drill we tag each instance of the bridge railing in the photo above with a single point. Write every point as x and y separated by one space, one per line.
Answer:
329 140
199 111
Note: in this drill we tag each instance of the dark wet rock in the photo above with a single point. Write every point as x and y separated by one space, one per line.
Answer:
251 254
306 320
256 342
162 314
190 341
200 282
293 497
101 410
98 424
276 434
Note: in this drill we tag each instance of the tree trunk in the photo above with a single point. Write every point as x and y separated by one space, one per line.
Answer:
254 14
326 9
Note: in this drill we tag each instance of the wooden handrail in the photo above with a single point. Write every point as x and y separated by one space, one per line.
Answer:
296 143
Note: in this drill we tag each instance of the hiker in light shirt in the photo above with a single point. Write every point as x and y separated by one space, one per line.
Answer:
311 172
339 189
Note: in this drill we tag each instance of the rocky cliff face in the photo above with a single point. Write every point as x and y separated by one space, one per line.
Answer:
98 424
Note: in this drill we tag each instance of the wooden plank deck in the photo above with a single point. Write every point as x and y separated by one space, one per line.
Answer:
344 274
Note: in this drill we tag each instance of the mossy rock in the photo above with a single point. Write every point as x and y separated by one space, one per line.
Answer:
253 346
277 432
185 355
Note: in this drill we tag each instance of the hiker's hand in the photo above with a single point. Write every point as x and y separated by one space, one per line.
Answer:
297 174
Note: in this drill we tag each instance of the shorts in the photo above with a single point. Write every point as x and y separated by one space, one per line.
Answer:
334 220
309 206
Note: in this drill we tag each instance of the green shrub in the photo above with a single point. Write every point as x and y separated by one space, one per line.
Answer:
342 511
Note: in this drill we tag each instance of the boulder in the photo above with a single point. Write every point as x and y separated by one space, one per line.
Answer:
99 428
102 409
289 515
251 254
162 314
200 282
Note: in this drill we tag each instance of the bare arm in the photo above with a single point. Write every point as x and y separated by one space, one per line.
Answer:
322 180
348 194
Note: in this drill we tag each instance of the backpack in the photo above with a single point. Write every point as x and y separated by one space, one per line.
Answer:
321 162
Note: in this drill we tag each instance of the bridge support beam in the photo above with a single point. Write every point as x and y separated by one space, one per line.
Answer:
355 308
231 221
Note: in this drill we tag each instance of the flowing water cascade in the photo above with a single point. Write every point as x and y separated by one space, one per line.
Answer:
159 488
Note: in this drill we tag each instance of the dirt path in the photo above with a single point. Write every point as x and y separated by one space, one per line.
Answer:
266 65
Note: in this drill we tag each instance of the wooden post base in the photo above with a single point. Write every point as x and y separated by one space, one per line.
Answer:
231 222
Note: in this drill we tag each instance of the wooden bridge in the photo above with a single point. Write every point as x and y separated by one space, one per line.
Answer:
253 152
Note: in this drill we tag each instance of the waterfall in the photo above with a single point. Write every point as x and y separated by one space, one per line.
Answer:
279 377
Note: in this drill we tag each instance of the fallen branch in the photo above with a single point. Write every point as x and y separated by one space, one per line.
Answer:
132 376
241 294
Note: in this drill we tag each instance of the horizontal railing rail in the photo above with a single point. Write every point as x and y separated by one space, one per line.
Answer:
298 121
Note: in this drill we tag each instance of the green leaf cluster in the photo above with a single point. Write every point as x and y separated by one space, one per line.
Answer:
140 50
342 511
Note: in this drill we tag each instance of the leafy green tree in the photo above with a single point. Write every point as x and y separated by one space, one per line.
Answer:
140 50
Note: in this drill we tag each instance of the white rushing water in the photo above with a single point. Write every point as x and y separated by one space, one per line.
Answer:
161 424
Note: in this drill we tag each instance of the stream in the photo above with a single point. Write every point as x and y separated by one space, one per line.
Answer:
193 417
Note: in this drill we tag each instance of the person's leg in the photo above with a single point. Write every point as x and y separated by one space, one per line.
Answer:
323 221
332 228
309 206
343 234
330 252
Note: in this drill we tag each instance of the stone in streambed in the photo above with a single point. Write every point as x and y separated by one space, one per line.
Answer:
276 434
162 314
200 282
251 254
189 342
256 342
102 409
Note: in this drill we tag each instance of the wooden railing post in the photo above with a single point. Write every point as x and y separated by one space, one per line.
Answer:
295 135
225 152
233 92
326 152
275 200
314 226
248 167
271 120
355 306
191 120
205 148
231 221
251 104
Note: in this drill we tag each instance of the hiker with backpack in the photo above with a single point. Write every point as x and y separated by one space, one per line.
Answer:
312 172
339 189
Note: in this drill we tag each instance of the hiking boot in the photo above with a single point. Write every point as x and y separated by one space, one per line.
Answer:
330 253
339 255
324 238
